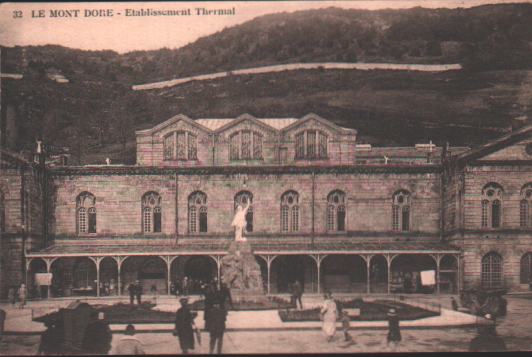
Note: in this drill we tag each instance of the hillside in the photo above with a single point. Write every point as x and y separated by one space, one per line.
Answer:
96 113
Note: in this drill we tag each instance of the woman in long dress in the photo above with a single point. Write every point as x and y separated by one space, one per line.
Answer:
329 313
239 222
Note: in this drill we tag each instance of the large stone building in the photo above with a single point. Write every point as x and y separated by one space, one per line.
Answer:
325 211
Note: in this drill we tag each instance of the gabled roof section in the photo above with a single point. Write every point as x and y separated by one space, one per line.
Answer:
496 145
242 118
171 121
324 121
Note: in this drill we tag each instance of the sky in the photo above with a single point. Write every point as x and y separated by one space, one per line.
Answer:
23 24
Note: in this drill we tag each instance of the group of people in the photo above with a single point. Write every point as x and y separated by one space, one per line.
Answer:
217 300
330 313
135 291
20 295
187 286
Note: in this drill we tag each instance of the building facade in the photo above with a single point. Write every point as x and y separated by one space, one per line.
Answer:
325 211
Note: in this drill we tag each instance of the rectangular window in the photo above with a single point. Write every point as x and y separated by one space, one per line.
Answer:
330 218
181 146
192 220
284 218
406 219
322 148
92 220
234 147
283 156
311 144
157 220
257 146
523 215
395 218
169 147
203 220
341 218
295 219
246 144
192 147
496 214
147 220
300 146
484 213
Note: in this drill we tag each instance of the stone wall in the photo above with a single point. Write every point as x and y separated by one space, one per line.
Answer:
368 206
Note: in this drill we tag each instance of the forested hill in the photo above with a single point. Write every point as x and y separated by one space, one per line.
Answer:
97 106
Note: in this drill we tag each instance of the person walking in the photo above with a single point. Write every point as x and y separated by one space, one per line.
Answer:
329 314
346 325
129 344
297 293
22 295
184 326
394 333
215 324
132 291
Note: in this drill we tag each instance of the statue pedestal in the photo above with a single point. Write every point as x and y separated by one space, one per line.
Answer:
241 272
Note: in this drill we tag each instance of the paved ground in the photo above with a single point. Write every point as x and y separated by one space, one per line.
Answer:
514 328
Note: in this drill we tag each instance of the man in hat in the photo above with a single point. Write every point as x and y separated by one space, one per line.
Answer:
132 290
138 291
52 338
184 326
215 324
129 344
394 333
487 339
98 336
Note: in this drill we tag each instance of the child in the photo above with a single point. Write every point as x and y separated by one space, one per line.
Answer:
348 340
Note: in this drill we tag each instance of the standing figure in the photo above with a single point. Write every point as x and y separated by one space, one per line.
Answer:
129 344
186 286
132 290
22 295
184 326
2 322
329 314
51 339
138 291
297 293
394 333
225 296
239 222
11 295
112 287
346 325
98 335
215 324
454 304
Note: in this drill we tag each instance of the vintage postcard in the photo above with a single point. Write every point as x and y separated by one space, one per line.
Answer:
265 177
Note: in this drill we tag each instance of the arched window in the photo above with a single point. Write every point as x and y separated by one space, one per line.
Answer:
86 213
401 211
311 144
245 145
180 145
290 212
197 212
525 216
2 213
151 212
491 270
336 211
526 268
491 206
242 198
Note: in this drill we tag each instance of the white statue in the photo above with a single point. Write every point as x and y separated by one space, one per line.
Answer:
239 222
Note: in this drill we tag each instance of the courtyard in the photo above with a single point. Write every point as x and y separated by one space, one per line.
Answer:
512 328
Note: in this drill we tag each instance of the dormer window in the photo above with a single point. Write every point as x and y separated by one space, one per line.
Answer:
311 144
180 145
245 145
